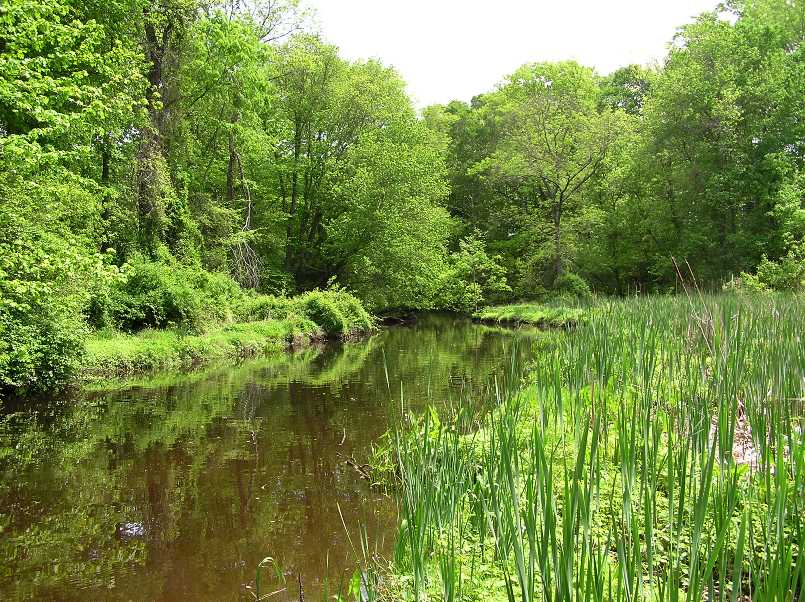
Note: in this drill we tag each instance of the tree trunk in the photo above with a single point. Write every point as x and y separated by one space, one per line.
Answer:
558 266
289 234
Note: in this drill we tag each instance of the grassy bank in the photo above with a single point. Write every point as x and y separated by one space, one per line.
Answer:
533 314
268 325
656 453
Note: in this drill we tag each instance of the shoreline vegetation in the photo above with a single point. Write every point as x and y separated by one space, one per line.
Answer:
113 355
656 453
187 182
267 325
232 165
532 314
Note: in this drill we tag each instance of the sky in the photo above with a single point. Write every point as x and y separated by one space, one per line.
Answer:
455 49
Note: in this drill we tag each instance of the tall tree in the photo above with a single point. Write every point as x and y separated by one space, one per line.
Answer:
722 138
554 141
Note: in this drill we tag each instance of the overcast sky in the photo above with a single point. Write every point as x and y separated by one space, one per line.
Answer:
448 49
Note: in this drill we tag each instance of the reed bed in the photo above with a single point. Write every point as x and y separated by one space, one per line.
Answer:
656 453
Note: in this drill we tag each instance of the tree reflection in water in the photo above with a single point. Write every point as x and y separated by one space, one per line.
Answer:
176 488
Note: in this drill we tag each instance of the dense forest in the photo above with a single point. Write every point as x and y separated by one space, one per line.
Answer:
160 160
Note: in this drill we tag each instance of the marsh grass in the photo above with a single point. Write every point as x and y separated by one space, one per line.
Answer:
656 453
114 354
534 314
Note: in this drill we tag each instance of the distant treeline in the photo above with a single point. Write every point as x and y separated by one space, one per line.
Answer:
578 179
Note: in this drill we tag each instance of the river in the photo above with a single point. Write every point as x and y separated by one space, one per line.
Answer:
177 487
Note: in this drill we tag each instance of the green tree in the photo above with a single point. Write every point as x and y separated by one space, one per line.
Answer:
722 139
388 236
61 90
554 142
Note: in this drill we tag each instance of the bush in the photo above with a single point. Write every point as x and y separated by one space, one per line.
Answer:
265 307
473 278
220 295
353 310
337 312
160 294
152 296
323 309
572 287
786 274
41 329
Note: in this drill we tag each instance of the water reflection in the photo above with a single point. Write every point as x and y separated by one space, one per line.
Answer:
177 488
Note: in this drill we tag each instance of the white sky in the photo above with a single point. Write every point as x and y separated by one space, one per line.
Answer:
448 49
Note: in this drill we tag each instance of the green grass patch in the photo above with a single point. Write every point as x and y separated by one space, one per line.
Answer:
338 313
533 314
268 325
114 355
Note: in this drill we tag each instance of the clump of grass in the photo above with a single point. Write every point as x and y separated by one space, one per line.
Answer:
657 454
268 325
532 314
338 313
115 354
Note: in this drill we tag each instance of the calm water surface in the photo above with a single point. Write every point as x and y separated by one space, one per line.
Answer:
177 488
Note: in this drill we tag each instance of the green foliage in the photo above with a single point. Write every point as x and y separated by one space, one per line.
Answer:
60 81
572 286
554 142
391 234
654 454
182 299
41 335
47 271
112 355
61 86
325 311
177 151
473 278
552 315
166 294
337 312
626 89
786 274
610 177
265 307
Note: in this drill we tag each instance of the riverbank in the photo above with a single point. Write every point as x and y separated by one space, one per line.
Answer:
656 453
117 355
533 314
270 325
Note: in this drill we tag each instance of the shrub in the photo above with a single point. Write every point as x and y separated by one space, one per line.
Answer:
41 329
786 274
337 312
159 294
571 286
324 310
353 310
152 296
265 307
220 295
472 278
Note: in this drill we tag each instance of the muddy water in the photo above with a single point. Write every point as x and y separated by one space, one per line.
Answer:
176 488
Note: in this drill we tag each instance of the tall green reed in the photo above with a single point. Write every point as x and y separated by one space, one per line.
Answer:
656 453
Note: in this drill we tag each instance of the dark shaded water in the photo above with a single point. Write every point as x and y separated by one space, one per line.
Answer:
177 488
